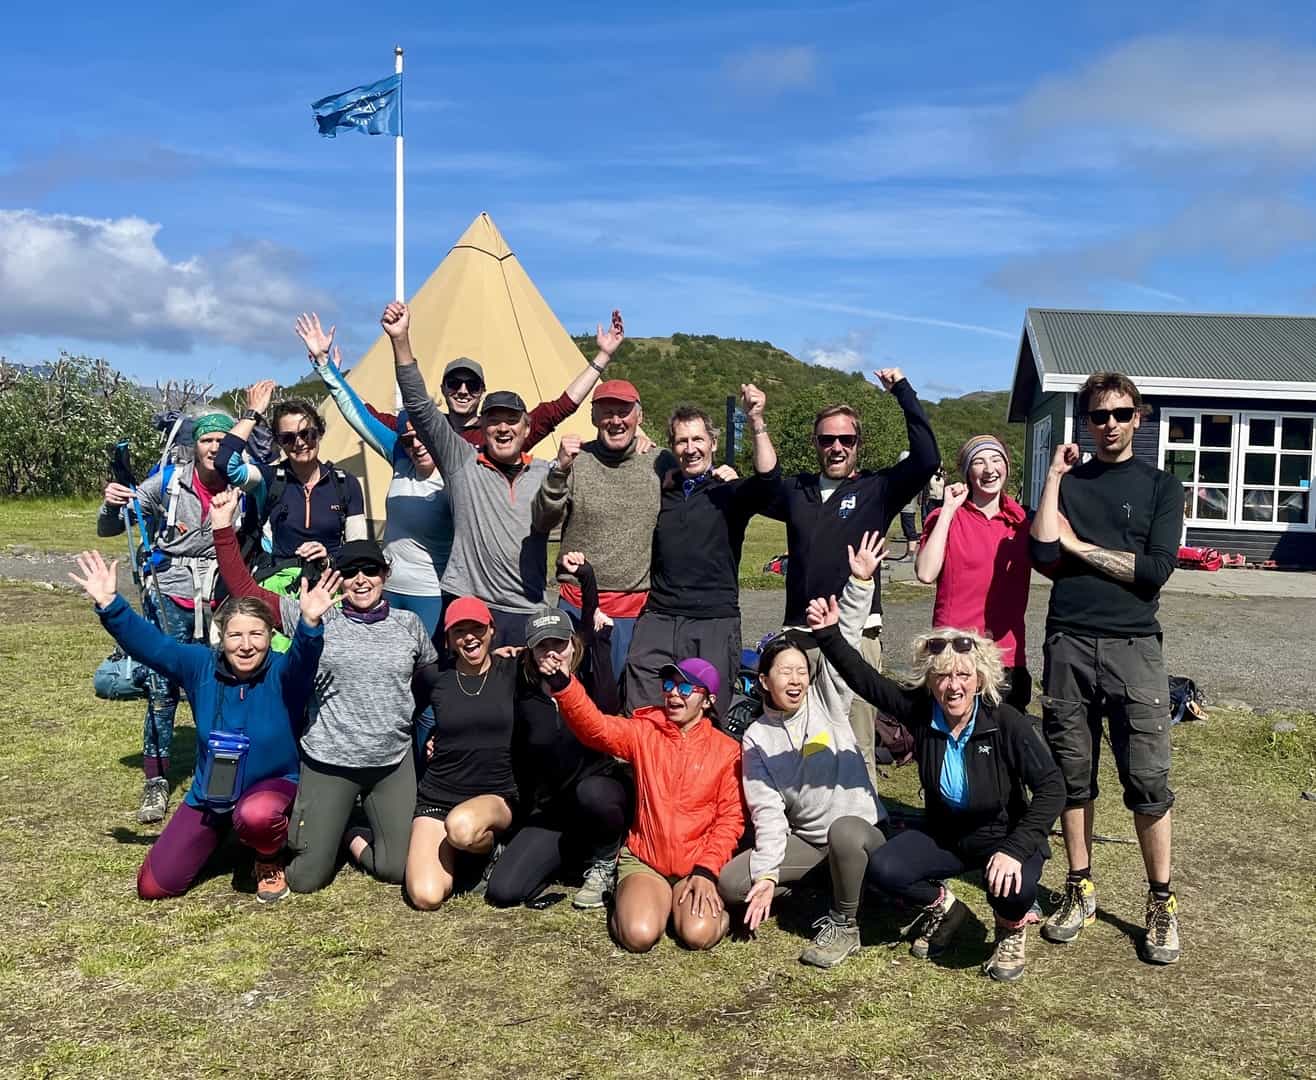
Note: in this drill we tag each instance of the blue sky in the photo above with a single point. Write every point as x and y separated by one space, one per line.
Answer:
862 184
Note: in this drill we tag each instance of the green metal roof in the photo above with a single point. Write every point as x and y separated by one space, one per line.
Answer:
1170 345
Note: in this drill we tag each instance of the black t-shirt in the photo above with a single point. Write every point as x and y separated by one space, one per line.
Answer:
474 719
1124 506
548 758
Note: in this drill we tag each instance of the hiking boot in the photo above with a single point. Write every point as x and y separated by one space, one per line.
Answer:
597 884
155 800
1007 960
482 886
1161 945
836 939
937 927
271 882
1077 910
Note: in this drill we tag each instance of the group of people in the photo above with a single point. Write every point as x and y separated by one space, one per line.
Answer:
416 707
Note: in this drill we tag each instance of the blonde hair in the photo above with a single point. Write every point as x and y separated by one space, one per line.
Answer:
985 657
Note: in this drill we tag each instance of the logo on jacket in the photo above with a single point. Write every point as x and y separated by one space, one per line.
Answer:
848 505
984 749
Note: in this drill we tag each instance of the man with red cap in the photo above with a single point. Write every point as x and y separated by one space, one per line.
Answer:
688 810
605 494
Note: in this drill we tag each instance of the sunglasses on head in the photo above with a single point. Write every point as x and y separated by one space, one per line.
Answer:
937 645
685 689
289 439
453 383
1123 414
848 441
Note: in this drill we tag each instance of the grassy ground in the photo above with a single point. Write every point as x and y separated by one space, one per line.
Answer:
52 525
94 983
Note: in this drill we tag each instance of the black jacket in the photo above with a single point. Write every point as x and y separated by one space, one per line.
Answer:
1004 757
818 532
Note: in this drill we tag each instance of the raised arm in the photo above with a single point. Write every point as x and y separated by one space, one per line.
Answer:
378 436
596 632
232 570
849 617
140 639
753 401
613 735
448 448
908 706
608 342
931 555
906 478
303 658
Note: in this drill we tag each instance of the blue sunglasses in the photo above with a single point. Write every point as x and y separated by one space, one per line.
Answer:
685 689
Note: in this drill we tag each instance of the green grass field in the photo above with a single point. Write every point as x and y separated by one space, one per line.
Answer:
53 525
94 983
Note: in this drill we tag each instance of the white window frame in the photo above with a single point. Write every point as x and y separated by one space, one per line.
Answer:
1237 451
1041 463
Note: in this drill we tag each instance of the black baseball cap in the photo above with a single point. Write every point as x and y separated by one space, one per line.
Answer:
359 553
503 399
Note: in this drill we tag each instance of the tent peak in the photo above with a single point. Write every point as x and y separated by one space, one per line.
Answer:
483 235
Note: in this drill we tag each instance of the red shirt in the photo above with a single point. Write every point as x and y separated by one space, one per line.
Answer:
984 578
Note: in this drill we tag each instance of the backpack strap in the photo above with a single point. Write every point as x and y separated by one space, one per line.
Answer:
340 490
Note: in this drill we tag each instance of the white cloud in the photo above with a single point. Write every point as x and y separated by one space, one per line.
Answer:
767 71
107 280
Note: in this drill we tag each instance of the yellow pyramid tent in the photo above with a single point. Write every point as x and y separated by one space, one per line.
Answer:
481 304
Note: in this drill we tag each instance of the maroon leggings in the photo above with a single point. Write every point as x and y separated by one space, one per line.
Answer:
260 819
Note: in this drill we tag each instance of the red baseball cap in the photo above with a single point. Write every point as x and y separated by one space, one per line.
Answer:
617 390
466 609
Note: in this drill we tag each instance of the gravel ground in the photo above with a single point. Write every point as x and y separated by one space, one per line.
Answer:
1238 650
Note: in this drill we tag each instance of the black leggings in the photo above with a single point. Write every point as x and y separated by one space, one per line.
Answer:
591 821
911 865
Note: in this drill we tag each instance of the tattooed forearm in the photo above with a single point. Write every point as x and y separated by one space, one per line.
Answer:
1115 564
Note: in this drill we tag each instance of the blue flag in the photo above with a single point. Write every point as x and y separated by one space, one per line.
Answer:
375 109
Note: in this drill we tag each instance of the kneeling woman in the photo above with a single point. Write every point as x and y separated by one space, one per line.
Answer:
468 792
246 703
357 739
977 758
806 786
688 813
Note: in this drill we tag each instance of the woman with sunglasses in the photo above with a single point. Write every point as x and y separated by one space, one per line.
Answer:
975 548
688 811
978 761
310 507
418 522
467 797
358 734
805 783
246 702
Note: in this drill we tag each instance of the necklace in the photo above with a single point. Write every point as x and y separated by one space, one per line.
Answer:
484 679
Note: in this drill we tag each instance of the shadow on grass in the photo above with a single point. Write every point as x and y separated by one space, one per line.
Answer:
182 756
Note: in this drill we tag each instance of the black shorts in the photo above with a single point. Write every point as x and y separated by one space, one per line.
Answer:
439 809
1124 680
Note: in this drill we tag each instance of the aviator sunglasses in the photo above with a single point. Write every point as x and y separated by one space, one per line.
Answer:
937 645
685 689
1123 415
289 439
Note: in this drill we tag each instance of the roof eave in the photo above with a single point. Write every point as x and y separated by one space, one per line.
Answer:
1165 387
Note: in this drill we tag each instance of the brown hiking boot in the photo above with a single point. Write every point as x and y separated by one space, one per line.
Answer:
1007 960
937 927
1161 945
271 882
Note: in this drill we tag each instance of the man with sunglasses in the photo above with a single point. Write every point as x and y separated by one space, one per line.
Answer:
463 389
605 494
309 507
496 555
829 511
1107 532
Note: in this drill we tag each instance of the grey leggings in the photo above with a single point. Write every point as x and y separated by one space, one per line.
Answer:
326 795
850 841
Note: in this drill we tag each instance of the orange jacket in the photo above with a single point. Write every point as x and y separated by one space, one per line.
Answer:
688 810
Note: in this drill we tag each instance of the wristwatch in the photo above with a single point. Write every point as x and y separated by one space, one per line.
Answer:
252 414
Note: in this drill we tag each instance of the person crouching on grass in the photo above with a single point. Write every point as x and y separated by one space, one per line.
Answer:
978 759
688 811
241 693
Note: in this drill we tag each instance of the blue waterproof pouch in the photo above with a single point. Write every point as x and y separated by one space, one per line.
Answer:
222 773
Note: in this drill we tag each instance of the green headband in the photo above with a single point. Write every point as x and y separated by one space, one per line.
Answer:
210 423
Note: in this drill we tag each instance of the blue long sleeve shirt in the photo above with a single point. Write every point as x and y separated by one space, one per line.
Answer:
267 706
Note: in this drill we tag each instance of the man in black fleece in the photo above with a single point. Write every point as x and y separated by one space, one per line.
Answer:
827 511
694 595
1107 531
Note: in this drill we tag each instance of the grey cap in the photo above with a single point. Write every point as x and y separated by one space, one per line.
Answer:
548 622
503 399
464 363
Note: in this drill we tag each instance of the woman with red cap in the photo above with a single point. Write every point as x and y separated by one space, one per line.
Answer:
976 550
688 810
467 794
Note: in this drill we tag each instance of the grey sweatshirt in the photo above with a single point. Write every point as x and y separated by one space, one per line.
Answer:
608 506
495 553
360 714
190 537
802 770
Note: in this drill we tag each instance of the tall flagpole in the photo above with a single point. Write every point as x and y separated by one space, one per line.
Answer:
399 246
